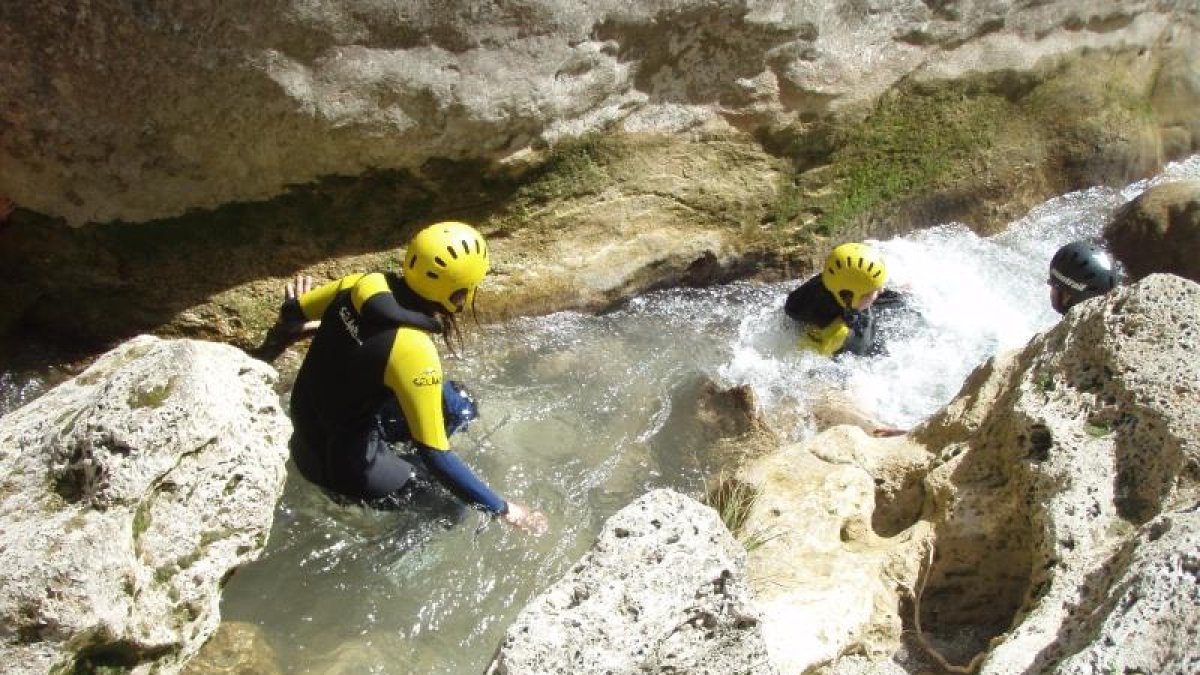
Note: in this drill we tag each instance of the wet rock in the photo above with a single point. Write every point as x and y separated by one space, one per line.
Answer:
129 493
236 648
1159 231
662 590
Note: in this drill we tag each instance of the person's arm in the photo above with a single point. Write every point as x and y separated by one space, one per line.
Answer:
373 299
414 374
458 477
293 321
461 480
825 341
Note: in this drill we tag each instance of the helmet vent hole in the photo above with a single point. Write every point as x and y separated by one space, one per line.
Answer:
466 246
431 275
412 260
478 246
440 262
452 252
838 263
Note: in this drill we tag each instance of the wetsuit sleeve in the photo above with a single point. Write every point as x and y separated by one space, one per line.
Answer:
314 303
414 374
373 300
461 480
825 341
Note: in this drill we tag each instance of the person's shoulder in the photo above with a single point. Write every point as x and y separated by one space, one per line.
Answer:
812 303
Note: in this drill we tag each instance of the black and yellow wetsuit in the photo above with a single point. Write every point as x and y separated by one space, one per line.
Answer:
373 353
832 330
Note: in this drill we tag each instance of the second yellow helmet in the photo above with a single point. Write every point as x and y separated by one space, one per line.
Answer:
853 271
446 258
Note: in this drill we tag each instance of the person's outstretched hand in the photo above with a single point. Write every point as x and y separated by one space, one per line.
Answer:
520 517
286 331
296 288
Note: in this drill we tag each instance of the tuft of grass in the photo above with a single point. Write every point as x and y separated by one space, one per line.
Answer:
733 501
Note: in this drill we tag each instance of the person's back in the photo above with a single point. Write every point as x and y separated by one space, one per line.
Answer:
341 379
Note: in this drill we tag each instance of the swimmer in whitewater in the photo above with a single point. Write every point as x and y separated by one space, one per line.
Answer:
838 309
373 378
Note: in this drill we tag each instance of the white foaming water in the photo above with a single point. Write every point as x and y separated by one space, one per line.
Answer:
976 296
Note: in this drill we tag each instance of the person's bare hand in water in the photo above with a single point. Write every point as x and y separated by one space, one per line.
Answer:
520 517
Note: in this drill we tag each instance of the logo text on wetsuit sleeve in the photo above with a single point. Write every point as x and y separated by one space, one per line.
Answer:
428 378
348 321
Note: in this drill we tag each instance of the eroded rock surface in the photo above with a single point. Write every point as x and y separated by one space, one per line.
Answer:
1060 493
128 494
120 111
662 590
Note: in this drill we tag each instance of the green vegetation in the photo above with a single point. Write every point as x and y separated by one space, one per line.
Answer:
574 168
915 140
733 501
141 521
151 397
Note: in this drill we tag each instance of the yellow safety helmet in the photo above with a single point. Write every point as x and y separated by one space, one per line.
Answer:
854 269
446 258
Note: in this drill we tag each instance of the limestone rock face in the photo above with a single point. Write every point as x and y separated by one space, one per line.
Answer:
1159 231
128 494
136 111
1064 471
826 581
662 590
1154 591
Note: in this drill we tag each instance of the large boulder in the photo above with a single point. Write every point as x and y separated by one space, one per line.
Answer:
1159 231
135 111
1057 467
662 590
128 495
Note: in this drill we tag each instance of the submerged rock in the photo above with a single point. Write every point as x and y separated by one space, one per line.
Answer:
129 493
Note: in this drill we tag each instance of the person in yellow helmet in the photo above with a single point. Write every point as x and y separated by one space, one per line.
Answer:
372 377
835 308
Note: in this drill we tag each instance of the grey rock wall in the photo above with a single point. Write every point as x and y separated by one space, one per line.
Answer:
136 111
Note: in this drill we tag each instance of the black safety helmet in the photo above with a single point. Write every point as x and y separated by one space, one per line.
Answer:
1082 270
